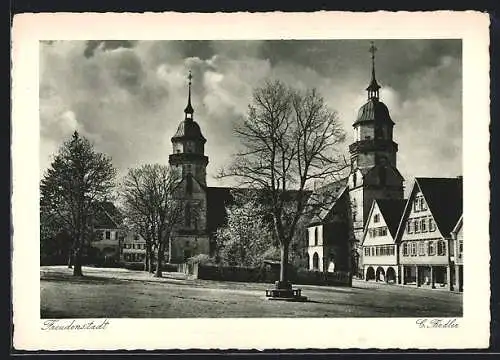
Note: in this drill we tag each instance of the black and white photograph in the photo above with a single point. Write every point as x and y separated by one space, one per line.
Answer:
267 178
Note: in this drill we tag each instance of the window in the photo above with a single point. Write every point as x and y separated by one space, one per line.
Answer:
367 251
384 231
108 235
441 248
432 225
423 224
416 204
431 248
373 251
405 249
417 226
187 215
460 248
409 227
189 183
376 218
423 205
315 236
413 249
421 248
392 250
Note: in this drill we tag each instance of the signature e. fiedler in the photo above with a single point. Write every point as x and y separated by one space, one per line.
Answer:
437 323
75 325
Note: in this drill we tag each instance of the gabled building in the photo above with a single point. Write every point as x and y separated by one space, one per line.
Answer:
379 248
134 248
328 229
426 254
105 247
457 257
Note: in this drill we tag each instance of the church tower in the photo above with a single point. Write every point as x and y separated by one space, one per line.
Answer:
189 163
188 145
374 173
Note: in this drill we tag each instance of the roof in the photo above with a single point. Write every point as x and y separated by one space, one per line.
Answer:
106 216
458 225
217 199
329 194
220 197
188 129
373 110
392 211
444 196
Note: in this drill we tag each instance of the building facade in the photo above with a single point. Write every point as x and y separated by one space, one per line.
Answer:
426 254
457 240
106 245
328 233
379 247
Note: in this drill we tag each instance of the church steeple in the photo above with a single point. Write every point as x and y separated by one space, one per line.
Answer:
189 108
373 88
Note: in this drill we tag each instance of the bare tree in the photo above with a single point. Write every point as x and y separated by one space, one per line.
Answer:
151 208
77 178
289 140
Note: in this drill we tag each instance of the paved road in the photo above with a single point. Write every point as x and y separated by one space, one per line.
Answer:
117 293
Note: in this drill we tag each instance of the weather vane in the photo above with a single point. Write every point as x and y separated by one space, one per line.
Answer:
373 50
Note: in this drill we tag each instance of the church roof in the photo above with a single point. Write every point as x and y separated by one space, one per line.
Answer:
392 211
324 199
188 130
217 200
373 110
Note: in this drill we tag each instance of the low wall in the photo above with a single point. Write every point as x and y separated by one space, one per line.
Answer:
337 278
264 275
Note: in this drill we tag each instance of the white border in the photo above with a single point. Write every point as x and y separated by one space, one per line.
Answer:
402 333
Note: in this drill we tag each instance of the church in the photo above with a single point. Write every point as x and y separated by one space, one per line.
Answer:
334 234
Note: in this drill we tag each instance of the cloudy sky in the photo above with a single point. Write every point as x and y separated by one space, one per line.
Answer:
128 97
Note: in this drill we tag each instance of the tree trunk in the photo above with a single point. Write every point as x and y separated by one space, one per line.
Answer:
151 259
284 263
159 258
70 259
146 260
77 268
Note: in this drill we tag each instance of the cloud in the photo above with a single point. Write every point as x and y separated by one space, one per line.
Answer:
128 96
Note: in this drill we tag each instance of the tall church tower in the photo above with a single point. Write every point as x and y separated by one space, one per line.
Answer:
188 145
374 174
189 163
